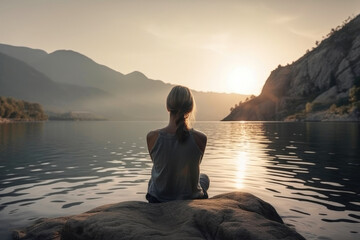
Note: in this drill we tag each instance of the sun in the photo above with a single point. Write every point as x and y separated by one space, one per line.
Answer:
242 80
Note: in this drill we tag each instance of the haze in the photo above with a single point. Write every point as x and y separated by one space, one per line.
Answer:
222 46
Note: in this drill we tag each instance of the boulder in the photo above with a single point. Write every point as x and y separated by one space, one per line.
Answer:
235 215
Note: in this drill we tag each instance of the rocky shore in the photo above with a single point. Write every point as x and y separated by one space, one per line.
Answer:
235 215
324 116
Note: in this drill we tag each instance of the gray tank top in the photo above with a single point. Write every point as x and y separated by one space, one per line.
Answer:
175 173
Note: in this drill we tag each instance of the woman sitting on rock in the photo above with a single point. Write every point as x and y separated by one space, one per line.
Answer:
176 152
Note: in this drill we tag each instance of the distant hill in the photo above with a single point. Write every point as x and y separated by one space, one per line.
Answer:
118 96
74 116
324 84
19 80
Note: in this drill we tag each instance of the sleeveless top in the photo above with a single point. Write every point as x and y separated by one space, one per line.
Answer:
175 171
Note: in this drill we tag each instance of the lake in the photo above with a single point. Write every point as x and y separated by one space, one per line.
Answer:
308 171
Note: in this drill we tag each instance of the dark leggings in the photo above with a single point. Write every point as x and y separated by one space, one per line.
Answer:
204 183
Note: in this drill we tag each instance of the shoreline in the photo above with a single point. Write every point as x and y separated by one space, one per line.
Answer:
5 120
9 120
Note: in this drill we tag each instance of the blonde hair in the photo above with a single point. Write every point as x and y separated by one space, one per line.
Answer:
181 103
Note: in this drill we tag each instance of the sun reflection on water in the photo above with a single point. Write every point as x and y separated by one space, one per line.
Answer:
241 162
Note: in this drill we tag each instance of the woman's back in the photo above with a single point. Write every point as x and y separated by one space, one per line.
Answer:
176 152
175 174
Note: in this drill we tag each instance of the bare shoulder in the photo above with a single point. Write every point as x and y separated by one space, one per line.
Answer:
151 138
200 135
152 134
200 139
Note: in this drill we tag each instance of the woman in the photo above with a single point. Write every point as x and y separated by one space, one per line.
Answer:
176 152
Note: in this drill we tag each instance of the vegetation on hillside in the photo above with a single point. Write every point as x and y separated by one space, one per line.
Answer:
347 105
242 102
332 32
20 110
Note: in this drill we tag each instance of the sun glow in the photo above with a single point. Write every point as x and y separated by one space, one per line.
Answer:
242 80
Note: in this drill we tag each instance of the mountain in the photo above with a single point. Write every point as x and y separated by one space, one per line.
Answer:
130 96
19 80
27 55
318 86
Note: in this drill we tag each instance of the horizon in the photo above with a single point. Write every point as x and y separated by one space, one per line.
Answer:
178 43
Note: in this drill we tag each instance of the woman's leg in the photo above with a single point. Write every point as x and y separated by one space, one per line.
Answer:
204 183
151 198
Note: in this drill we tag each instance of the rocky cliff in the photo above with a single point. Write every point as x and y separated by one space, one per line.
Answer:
322 78
227 216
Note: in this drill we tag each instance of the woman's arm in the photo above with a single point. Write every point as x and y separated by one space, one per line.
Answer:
151 139
200 139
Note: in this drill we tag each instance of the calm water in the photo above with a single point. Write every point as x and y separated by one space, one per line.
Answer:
308 171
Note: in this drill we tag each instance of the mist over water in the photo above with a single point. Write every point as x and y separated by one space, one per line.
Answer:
307 171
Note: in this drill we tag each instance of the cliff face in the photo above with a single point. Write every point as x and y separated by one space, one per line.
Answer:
324 76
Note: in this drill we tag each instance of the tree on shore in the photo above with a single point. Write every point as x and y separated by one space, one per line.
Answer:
21 110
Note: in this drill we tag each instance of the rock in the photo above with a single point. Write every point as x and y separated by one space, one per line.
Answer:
327 96
235 215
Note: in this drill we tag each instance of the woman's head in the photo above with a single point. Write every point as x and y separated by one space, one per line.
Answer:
181 104
180 100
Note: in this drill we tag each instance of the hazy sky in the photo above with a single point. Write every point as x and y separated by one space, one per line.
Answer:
208 45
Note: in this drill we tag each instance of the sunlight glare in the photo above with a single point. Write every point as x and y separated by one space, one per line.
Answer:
242 80
241 169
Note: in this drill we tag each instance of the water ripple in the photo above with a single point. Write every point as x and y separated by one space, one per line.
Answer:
308 171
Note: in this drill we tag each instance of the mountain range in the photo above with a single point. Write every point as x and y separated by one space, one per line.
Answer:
324 84
66 80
